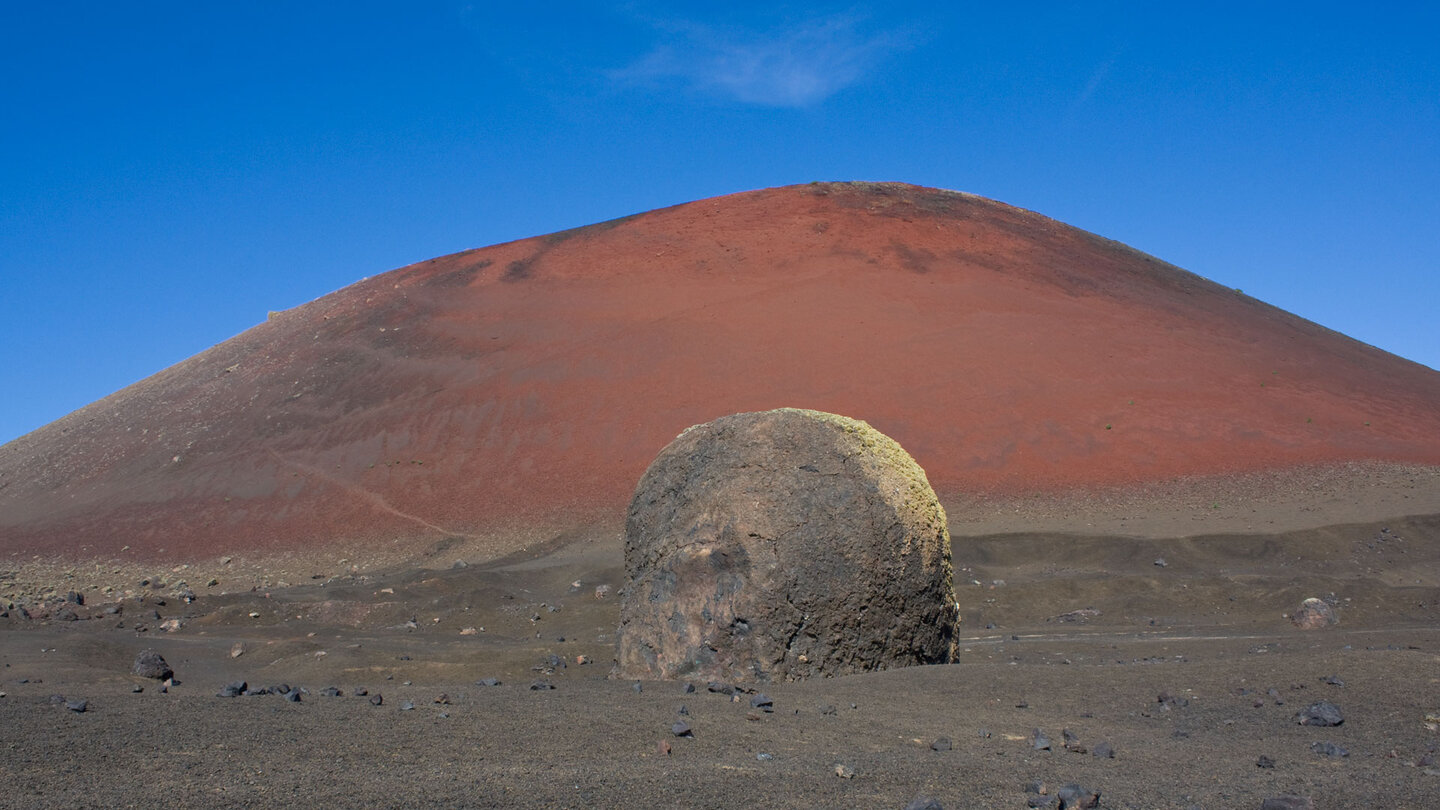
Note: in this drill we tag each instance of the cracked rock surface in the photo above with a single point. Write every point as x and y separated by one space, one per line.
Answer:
782 545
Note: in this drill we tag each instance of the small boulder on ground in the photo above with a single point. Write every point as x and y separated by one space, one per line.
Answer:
1314 614
783 545
151 664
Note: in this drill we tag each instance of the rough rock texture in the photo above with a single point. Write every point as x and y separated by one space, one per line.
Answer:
1314 614
151 664
781 545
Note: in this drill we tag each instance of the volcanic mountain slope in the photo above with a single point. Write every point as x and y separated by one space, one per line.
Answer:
535 380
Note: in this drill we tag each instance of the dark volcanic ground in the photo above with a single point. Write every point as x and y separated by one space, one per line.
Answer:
1206 629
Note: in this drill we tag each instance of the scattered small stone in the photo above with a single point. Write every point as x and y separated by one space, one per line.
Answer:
1169 701
77 706
924 803
1160 562
331 691
1264 762
720 688
1037 787
377 699
1288 803
1039 741
469 631
1072 795
1275 696
764 757
688 688
1333 680
829 709
237 649
602 591
1323 713
844 771
638 687
293 695
762 703
443 699
407 706
171 625
151 664
541 686
663 748
1329 749
680 728
361 692
233 689
581 660
1103 750
683 709
941 744
488 682
137 689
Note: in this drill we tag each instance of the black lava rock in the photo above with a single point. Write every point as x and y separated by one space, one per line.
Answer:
1323 713
1073 795
151 664
233 689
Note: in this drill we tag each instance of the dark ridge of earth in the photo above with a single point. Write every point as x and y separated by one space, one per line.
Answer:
482 398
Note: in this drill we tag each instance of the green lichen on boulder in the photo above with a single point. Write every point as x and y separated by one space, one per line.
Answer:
782 545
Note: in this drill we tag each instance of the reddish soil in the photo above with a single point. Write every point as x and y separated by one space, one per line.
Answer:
1009 353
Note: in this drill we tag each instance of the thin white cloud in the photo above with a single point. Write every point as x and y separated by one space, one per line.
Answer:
796 66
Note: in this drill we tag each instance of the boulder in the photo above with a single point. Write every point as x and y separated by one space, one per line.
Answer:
782 545
1315 614
151 664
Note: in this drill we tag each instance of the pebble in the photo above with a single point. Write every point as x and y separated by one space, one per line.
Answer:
331 691
541 686
237 649
682 729
1264 762
1323 713
1039 741
762 703
361 692
488 682
1103 750
377 699
407 706
293 695
844 771
663 748
688 689
77 706
941 744
1329 749
638 687
924 803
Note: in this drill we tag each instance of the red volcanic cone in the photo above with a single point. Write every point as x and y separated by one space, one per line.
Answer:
536 379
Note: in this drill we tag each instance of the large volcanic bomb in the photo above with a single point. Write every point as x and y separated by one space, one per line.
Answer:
536 379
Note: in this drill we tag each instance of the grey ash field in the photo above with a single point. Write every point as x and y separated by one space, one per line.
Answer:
1189 671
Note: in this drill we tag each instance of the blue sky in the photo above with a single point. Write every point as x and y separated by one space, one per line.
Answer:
174 171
